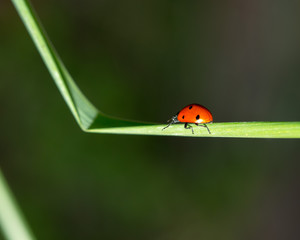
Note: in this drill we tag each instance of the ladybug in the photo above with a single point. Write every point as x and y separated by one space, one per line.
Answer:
192 113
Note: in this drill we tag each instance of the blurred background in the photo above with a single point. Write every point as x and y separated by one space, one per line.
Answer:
145 60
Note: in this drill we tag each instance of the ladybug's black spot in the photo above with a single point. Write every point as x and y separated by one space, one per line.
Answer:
198 116
183 117
190 107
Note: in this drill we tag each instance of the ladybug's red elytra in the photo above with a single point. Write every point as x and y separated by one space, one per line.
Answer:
192 113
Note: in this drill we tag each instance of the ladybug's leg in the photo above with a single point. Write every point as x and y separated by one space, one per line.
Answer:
207 128
204 125
186 126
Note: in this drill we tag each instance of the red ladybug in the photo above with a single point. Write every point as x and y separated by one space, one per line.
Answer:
193 113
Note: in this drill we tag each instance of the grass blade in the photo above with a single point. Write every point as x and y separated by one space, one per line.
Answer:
230 129
92 120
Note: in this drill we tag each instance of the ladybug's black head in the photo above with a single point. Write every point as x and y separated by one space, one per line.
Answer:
173 120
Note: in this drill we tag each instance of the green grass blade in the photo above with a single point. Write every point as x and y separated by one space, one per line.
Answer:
83 111
11 220
92 120
230 129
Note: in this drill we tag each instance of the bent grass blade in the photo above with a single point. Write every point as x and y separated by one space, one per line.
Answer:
92 120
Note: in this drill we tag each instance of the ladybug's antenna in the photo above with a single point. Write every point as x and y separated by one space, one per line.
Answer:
171 121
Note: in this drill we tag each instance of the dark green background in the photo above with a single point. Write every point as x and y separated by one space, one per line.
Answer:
145 60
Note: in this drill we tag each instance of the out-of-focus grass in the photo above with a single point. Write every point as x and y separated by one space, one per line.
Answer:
11 221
